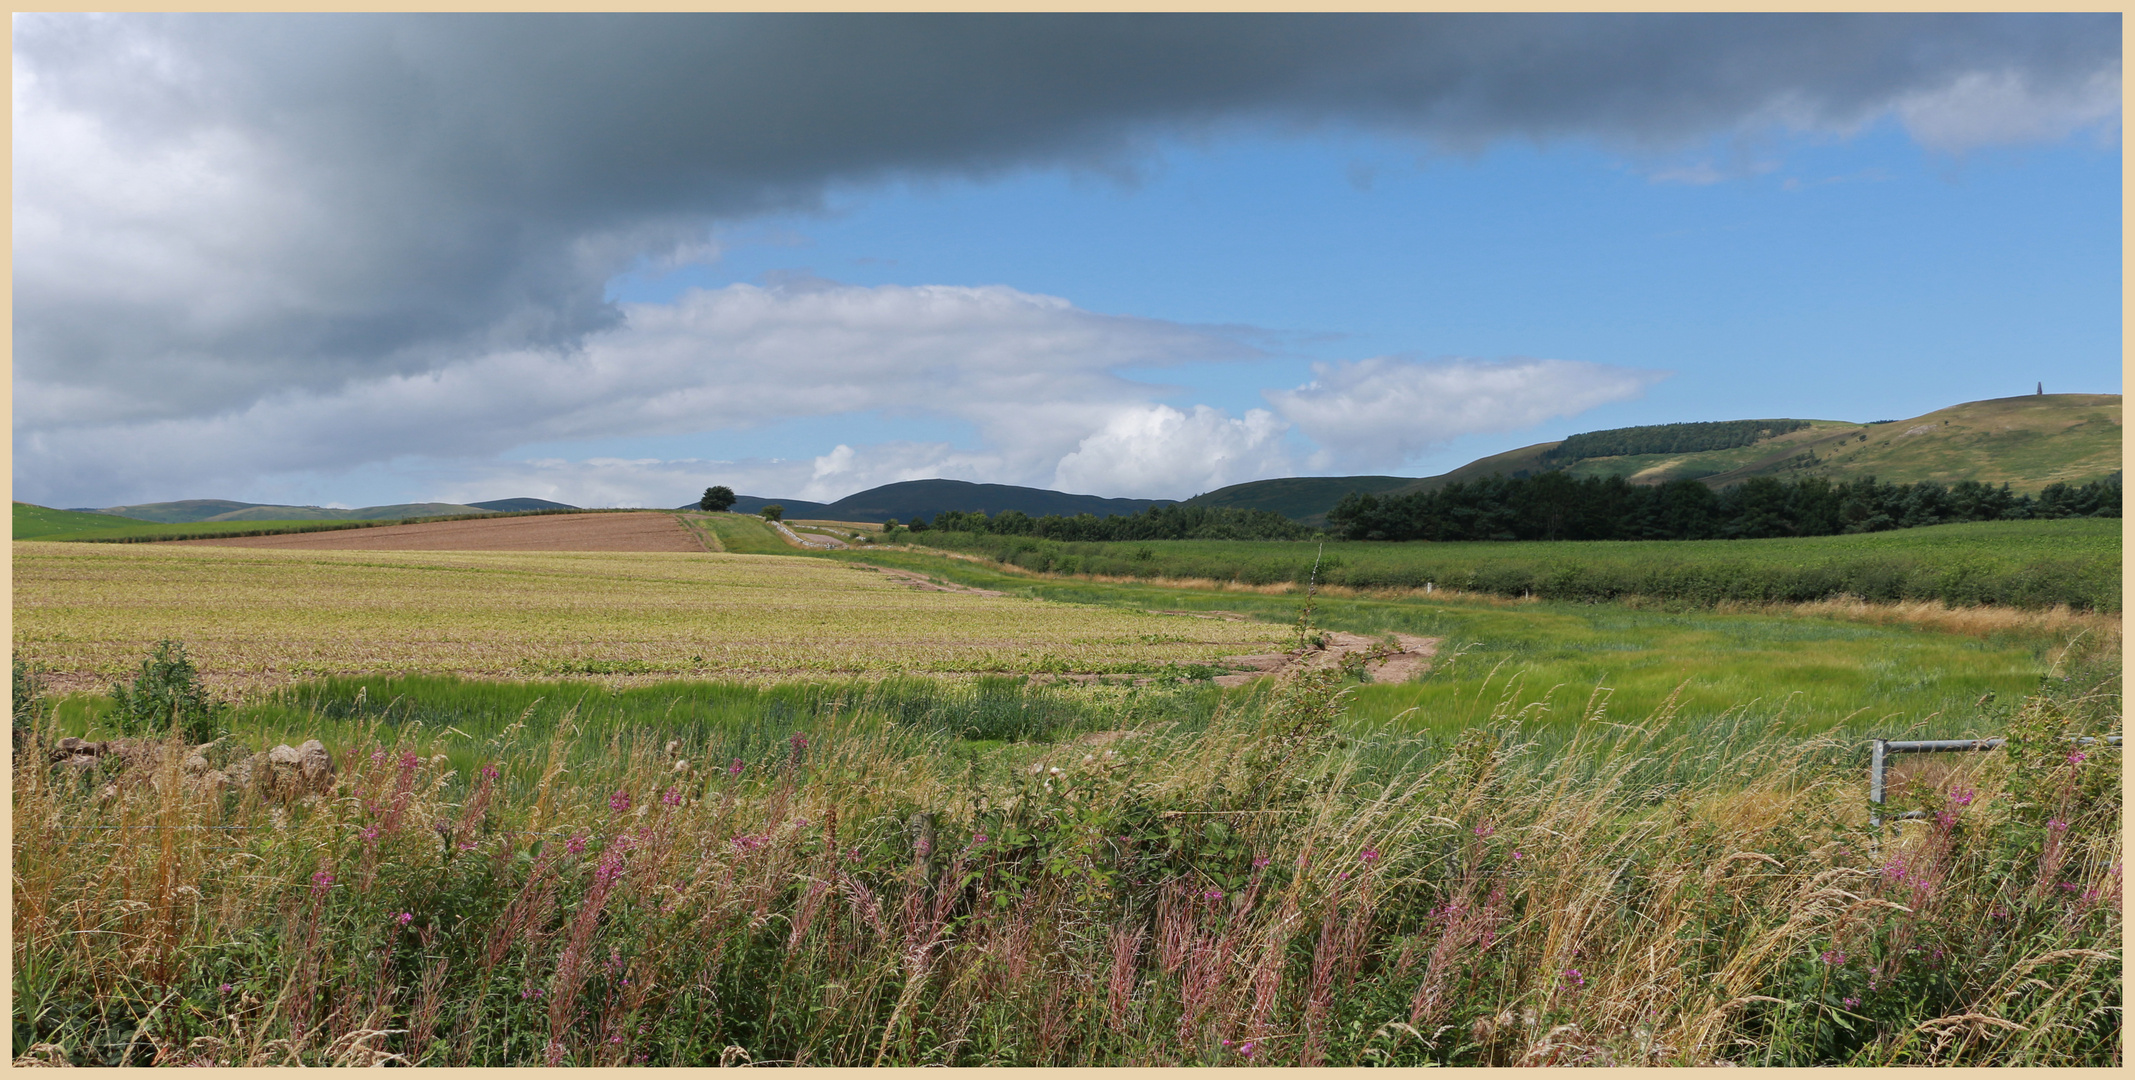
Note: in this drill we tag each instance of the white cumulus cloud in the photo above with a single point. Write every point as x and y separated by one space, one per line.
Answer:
1157 451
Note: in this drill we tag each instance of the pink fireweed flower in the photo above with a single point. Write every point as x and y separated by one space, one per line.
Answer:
799 742
1212 894
404 918
370 833
619 802
2057 825
1516 856
735 768
1573 978
671 797
1260 862
610 868
1370 855
226 988
576 845
1851 1003
1245 1049
489 772
2078 758
322 879
1961 797
1834 957
377 757
410 760
1484 830
980 839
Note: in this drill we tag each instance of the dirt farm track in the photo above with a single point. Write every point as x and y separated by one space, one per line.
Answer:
648 531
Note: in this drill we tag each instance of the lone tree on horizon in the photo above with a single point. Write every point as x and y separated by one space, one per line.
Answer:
716 497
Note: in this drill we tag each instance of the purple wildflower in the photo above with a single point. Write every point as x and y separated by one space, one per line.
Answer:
1516 856
2057 826
1370 855
404 918
576 845
322 879
671 797
410 760
1484 830
226 988
1212 894
489 772
735 768
1851 1003
1834 957
2078 758
1573 978
1260 862
1245 1049
799 742
619 802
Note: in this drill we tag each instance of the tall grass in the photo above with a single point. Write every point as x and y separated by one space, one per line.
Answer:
1168 880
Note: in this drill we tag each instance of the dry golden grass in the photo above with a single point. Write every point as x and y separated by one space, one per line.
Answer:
254 618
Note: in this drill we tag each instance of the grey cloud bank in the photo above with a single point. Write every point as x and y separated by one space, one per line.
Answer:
231 229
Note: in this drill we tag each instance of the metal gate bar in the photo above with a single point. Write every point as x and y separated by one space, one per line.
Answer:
1882 749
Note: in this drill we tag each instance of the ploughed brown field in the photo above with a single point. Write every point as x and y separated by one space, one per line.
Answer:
648 531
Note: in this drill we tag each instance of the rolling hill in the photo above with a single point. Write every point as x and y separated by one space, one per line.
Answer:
2027 442
34 522
193 510
910 499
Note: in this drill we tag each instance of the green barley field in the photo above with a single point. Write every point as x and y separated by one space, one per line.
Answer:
2007 563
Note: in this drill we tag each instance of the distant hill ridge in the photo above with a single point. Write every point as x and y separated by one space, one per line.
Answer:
2027 442
195 510
910 499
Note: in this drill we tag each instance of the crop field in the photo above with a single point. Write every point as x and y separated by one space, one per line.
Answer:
255 617
2010 563
672 808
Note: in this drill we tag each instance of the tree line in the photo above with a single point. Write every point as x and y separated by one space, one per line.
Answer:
1685 438
1556 506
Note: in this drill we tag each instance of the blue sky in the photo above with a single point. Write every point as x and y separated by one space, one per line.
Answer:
379 259
1857 278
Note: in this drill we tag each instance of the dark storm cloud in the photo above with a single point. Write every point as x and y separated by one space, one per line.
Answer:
215 208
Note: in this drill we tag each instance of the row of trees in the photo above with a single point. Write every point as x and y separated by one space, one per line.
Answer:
1555 506
1174 522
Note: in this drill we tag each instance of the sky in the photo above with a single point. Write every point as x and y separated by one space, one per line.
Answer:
613 260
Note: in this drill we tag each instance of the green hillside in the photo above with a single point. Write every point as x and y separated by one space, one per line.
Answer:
2026 442
1299 498
34 522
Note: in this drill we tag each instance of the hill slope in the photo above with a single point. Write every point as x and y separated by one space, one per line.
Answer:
191 510
926 498
2027 442
33 522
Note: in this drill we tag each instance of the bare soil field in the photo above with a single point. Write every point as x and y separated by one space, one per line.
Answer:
649 531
